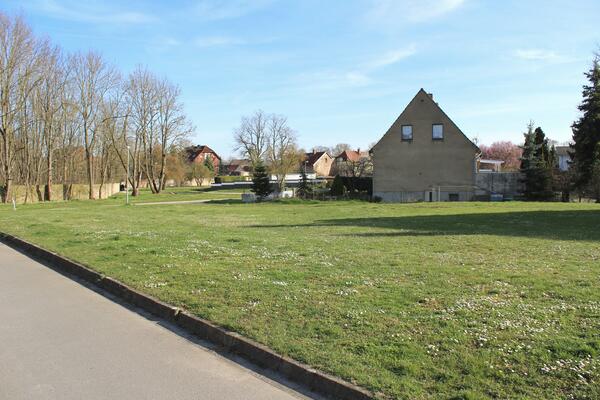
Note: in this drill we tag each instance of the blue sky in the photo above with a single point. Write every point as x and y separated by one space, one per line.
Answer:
342 70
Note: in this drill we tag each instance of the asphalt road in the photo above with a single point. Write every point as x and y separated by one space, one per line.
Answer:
61 340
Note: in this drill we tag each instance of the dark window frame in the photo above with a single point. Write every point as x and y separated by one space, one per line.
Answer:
434 138
402 133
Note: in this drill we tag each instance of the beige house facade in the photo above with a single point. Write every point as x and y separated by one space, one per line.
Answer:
424 156
318 162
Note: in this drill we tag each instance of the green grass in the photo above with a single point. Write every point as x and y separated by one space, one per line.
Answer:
181 194
422 301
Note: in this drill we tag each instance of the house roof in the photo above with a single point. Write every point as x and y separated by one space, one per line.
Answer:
351 155
428 96
194 151
489 161
313 157
238 165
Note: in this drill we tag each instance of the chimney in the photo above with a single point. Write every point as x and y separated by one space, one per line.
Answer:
314 151
430 95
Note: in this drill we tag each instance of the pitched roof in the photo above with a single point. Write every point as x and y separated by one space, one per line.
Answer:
313 157
352 155
430 97
239 165
194 151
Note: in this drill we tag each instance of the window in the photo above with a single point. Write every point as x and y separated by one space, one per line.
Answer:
437 132
453 197
407 132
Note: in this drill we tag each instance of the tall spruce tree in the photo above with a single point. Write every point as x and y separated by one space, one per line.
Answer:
210 165
261 184
537 163
586 132
305 188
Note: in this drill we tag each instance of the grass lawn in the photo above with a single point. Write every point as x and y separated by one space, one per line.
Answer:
421 301
181 194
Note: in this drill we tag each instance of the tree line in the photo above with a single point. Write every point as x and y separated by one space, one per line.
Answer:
539 161
74 118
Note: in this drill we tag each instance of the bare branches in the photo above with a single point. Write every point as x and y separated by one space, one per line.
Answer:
267 137
251 138
73 119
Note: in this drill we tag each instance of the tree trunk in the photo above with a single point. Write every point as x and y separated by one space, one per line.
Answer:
48 188
7 172
40 196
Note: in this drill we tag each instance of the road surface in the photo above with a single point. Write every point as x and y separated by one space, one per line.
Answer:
61 340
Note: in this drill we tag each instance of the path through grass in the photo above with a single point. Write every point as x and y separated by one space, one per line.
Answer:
452 300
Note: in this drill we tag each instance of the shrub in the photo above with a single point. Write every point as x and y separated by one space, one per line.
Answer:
337 186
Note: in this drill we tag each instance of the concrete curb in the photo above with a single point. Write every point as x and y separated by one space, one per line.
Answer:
254 352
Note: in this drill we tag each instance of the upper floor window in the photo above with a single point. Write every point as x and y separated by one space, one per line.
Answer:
407 133
437 132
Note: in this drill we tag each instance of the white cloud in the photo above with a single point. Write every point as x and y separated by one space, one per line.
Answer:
357 79
162 44
392 57
76 11
360 77
537 55
392 12
227 9
214 41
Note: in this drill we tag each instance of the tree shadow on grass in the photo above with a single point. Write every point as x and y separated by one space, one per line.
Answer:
224 201
558 225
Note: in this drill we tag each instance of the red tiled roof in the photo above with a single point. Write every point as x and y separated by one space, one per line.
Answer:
194 151
349 155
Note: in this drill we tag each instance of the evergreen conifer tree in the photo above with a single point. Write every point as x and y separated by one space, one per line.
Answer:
337 186
208 163
261 184
586 132
536 165
305 188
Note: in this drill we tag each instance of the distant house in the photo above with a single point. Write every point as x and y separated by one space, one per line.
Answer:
424 156
239 167
318 162
488 165
564 158
352 163
198 154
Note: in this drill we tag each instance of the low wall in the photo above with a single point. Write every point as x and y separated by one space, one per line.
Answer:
505 183
412 197
79 191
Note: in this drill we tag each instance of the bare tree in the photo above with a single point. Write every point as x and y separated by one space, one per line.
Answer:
93 79
339 148
283 154
50 103
251 137
19 67
71 120
172 123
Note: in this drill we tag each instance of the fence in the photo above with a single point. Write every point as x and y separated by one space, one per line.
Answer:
79 191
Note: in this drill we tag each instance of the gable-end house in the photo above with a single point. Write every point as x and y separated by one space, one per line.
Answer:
241 167
564 157
198 154
424 156
318 162
352 163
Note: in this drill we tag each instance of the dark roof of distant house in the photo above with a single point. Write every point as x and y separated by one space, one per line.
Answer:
194 151
241 165
313 157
